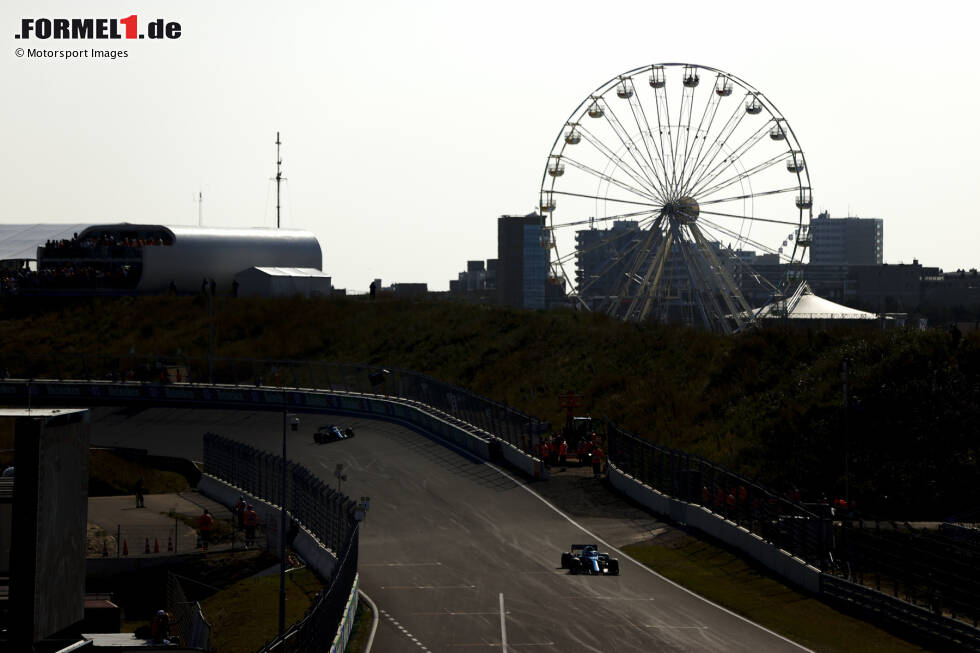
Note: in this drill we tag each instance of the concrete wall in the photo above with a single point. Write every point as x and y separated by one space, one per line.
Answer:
781 562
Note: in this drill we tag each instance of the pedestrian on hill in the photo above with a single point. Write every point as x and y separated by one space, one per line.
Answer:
597 462
251 520
139 493
160 627
240 509
205 524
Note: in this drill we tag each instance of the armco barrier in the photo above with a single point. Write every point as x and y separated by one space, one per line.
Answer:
780 562
464 435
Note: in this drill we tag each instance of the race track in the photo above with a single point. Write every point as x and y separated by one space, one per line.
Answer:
459 555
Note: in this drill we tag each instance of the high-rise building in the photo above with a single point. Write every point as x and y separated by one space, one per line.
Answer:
846 241
522 261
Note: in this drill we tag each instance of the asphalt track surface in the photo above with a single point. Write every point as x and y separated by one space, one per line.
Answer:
459 555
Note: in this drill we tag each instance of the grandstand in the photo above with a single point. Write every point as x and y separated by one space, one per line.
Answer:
143 258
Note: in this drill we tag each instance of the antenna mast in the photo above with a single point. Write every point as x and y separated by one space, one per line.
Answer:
200 208
278 176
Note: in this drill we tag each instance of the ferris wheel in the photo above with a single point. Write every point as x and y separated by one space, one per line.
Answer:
667 194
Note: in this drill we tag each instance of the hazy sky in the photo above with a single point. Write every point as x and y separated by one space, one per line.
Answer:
408 128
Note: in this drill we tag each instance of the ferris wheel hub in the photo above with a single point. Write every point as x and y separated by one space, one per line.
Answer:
684 210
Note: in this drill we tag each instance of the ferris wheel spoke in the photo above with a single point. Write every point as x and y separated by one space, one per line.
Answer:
687 108
750 218
610 264
604 199
733 297
708 177
740 263
603 243
646 133
646 167
616 160
742 175
711 106
612 180
701 291
651 286
663 115
605 219
740 238
738 198
640 255
715 148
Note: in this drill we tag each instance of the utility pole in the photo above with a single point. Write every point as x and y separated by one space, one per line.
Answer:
282 521
847 491
279 176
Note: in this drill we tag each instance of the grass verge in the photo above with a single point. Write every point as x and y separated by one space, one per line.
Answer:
724 578
247 612
110 475
362 628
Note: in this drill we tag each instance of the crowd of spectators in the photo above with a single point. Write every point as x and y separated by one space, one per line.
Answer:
71 276
104 245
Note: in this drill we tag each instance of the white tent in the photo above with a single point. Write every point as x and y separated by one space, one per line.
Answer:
282 282
804 305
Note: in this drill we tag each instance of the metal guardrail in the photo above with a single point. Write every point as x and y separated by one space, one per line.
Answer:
502 421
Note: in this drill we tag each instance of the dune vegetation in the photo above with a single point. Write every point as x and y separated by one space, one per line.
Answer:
768 403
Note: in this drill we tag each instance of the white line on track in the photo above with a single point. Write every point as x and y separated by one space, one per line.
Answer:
503 625
428 587
404 632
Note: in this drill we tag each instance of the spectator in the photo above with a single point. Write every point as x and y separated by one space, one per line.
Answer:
160 627
597 462
240 509
205 524
251 520
139 493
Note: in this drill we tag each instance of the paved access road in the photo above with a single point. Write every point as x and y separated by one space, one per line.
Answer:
461 556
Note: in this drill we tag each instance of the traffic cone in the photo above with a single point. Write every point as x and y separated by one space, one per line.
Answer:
170 543
146 549
125 548
156 545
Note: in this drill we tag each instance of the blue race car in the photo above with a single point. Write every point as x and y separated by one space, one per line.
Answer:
331 433
586 559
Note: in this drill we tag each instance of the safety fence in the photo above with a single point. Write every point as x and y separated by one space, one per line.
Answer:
777 519
326 513
154 541
922 567
880 568
188 621
506 423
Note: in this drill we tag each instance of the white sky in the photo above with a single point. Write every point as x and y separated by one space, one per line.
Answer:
408 128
